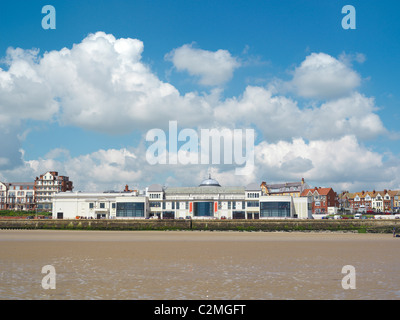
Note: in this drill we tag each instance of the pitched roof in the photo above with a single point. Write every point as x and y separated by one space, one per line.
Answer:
253 187
320 191
155 188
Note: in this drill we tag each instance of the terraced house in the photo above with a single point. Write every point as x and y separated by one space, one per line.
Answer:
378 201
397 202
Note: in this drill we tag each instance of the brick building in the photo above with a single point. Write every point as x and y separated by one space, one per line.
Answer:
321 199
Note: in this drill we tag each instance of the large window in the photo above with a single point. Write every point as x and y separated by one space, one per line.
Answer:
275 209
252 204
238 215
203 209
130 209
155 204
168 215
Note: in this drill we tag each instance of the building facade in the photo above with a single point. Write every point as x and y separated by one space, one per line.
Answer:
17 196
47 185
324 200
293 189
396 200
209 200
99 205
376 201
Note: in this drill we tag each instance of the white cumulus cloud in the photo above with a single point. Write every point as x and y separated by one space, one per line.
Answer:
212 67
324 77
102 84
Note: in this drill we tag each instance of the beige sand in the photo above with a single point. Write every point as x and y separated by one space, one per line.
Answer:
197 265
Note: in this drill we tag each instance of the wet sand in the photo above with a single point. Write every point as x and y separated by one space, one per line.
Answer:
197 265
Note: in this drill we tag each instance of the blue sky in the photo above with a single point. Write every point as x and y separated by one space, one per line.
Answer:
272 53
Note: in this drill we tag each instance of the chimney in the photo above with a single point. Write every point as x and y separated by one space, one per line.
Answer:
126 188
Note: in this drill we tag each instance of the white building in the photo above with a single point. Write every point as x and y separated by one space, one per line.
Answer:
207 201
99 205
281 207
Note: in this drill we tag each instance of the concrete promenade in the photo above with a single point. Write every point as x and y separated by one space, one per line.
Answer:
360 226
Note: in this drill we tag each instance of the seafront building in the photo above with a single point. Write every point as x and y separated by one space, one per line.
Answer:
47 185
293 189
377 201
36 195
324 200
17 196
209 200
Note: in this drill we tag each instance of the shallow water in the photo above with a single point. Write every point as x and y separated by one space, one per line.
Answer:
197 265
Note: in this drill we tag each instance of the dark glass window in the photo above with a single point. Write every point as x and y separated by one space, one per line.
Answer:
130 209
168 215
155 204
238 215
275 209
203 209
252 204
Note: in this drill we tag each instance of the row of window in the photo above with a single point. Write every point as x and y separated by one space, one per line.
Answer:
102 205
155 196
185 205
46 182
19 194
369 198
253 195
17 200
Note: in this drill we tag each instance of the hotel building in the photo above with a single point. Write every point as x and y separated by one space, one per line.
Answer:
209 200
47 185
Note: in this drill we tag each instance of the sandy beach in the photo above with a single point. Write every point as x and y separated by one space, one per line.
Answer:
197 265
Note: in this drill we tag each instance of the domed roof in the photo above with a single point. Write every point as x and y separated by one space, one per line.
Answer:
209 182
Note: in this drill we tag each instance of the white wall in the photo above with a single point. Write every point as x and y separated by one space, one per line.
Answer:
77 204
301 208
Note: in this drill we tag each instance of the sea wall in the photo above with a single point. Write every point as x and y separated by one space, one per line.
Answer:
364 226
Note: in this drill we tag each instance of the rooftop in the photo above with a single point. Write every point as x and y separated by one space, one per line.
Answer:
209 182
